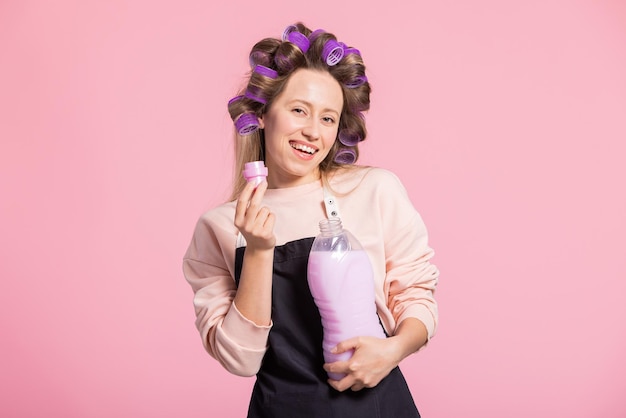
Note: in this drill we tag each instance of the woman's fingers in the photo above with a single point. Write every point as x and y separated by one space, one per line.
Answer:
254 221
258 193
369 364
242 204
248 203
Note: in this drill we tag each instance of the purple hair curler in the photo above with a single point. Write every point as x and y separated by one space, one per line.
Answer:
255 171
313 36
299 40
258 57
265 71
252 93
349 138
348 51
283 63
358 81
345 156
332 52
234 99
288 30
247 123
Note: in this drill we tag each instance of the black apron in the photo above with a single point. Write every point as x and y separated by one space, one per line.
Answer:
291 382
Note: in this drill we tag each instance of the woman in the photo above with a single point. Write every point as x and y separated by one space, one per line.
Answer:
301 113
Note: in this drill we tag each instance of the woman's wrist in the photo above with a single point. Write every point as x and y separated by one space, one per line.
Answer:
410 336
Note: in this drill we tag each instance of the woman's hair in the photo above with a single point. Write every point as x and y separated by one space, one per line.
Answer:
273 61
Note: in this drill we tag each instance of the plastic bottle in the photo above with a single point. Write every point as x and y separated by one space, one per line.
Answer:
255 171
341 281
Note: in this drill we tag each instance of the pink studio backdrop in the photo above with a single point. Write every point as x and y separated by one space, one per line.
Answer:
505 120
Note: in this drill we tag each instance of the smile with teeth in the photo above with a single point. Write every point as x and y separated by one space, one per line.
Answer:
303 148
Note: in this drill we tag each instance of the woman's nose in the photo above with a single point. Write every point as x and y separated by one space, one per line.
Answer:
311 130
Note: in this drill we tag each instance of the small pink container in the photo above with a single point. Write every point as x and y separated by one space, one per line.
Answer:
255 171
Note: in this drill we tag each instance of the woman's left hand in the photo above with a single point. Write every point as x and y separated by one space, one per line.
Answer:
372 361
374 358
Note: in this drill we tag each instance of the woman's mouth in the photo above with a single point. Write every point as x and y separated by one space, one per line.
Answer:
303 148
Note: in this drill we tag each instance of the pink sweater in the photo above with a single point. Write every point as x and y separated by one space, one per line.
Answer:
374 207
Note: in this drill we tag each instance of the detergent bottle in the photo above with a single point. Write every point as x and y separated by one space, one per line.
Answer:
341 281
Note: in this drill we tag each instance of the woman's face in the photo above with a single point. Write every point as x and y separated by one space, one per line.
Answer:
300 127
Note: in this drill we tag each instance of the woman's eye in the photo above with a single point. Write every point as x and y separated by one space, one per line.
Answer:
328 119
298 110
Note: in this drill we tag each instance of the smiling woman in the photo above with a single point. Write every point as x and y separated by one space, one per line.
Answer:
274 63
300 127
302 114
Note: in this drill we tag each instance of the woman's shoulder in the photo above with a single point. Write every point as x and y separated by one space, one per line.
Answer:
366 177
218 217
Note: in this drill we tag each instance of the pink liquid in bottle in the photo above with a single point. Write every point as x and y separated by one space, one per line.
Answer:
341 281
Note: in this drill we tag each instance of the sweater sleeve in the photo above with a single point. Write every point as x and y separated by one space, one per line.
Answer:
411 278
236 342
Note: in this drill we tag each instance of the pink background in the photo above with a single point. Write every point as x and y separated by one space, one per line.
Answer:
505 120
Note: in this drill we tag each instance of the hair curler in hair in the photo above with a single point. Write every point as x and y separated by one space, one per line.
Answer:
289 29
345 156
313 36
299 40
332 52
259 57
252 93
349 138
234 99
348 50
265 71
247 123
357 81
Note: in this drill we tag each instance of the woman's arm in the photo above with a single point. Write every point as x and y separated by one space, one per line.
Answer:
409 284
256 224
237 339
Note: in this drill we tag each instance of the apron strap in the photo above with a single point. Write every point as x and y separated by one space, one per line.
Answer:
241 241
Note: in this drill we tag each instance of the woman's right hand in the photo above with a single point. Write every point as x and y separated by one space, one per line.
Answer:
255 222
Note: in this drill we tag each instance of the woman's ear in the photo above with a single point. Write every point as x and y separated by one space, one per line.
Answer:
261 123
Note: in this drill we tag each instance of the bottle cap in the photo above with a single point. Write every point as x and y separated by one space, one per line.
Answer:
255 171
